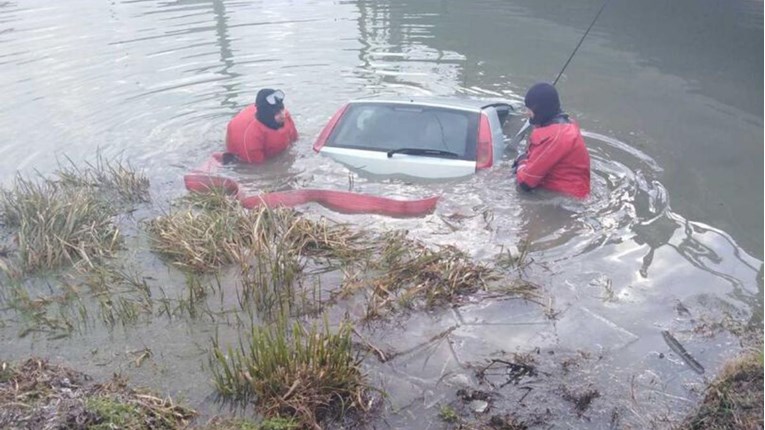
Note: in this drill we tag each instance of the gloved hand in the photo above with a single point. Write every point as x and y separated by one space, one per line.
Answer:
229 158
518 161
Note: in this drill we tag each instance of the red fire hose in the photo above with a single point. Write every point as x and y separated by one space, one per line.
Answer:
201 180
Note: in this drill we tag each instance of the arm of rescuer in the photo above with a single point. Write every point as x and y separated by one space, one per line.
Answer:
254 145
538 161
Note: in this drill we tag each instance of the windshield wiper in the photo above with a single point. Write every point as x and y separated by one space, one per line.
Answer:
420 151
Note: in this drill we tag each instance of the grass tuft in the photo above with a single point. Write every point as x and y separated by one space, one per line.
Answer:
112 178
514 257
268 276
448 414
68 217
304 374
203 240
122 295
55 225
734 399
279 423
217 231
110 413
325 240
211 200
58 314
410 272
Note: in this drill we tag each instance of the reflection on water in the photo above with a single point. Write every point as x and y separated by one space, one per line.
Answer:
158 80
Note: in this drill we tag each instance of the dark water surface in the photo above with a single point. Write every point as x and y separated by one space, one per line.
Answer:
669 94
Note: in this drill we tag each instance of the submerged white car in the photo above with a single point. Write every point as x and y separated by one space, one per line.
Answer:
416 137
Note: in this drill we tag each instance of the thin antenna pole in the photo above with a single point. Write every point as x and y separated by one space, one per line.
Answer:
603 6
517 138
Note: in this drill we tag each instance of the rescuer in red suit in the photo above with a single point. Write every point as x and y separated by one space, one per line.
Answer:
556 158
262 130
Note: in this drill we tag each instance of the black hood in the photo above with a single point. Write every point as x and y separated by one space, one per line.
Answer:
266 111
543 100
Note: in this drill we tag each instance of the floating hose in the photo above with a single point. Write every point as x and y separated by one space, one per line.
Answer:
202 180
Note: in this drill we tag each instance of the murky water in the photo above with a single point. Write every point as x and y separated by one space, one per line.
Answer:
669 95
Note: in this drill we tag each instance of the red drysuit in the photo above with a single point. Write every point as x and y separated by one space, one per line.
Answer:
557 159
253 142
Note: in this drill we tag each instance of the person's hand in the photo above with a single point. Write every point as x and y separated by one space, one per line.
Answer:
229 158
518 161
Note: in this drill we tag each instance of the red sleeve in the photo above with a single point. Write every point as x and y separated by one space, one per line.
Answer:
546 154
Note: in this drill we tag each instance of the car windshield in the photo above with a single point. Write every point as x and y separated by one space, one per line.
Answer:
395 127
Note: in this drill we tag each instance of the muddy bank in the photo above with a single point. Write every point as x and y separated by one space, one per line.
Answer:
35 394
732 400
38 394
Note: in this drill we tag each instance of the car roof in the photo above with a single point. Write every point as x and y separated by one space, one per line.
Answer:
460 103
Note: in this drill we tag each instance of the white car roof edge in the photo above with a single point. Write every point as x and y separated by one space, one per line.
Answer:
456 104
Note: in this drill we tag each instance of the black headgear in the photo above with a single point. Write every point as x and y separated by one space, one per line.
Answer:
268 107
542 99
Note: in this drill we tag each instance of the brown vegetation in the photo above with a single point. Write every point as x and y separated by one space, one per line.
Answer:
36 394
734 400
68 217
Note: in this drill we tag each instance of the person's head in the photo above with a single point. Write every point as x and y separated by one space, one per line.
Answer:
543 102
270 107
